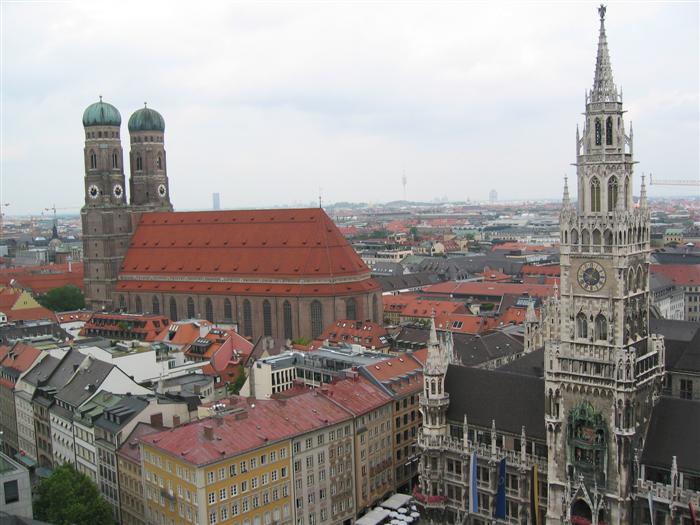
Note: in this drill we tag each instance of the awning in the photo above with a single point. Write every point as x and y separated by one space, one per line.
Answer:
43 472
25 460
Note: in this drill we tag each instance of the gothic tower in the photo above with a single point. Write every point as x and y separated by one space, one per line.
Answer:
148 185
602 367
105 216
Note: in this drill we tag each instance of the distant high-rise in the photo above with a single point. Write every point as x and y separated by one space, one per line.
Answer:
216 201
493 196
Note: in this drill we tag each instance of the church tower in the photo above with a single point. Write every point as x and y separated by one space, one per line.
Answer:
603 369
105 216
148 185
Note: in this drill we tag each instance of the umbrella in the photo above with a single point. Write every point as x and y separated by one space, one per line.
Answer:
415 514
403 510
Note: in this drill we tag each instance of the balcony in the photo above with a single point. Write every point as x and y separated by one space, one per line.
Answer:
667 494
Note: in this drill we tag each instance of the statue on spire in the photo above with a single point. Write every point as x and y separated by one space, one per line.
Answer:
601 12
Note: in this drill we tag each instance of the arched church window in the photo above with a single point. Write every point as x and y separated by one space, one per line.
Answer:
190 308
122 302
608 238
609 131
612 193
595 194
375 309
574 236
267 318
598 133
139 163
115 160
581 325
585 238
159 162
601 327
138 305
640 278
316 319
93 160
173 309
247 319
228 311
596 237
627 192
209 310
155 305
351 309
287 318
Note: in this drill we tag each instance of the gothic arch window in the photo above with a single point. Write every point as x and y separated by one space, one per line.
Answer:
316 319
159 162
173 309
627 192
565 237
601 327
585 237
595 194
93 160
612 193
155 305
375 309
139 162
598 132
596 237
351 309
209 310
138 305
609 131
287 319
247 319
630 280
190 308
228 311
267 318
608 237
122 302
581 325
640 278
115 159
574 236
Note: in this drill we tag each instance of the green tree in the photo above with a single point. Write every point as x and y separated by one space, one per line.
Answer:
64 298
69 497
235 387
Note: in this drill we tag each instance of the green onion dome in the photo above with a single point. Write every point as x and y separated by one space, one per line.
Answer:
101 114
146 119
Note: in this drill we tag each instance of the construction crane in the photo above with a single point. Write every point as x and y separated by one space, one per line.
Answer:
673 182
55 220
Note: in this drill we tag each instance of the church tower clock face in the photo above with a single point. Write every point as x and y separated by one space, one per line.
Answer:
591 276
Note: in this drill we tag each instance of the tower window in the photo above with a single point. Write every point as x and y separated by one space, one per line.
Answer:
598 133
627 191
601 327
93 160
609 131
612 193
316 319
267 318
375 309
581 325
595 194
287 316
139 163
159 163
115 160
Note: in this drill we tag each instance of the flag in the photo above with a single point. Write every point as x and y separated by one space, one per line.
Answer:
501 494
535 496
473 492
651 507
693 516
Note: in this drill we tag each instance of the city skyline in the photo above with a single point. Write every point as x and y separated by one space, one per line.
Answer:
432 93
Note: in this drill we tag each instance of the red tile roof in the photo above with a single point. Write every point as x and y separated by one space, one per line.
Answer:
227 246
41 279
19 357
357 395
74 316
548 270
366 333
145 327
409 305
465 323
680 274
260 423
19 305
130 449
182 333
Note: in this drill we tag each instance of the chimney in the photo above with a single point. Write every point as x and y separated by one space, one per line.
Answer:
208 432
157 419
203 329
176 421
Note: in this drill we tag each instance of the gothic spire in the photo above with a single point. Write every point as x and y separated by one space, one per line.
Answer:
643 194
603 84
432 339
566 201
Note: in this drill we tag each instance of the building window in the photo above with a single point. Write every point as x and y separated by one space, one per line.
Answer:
11 489
155 305
581 325
316 319
159 162
267 318
115 160
287 318
93 160
247 319
228 311
139 163
601 327
612 193
598 133
190 308
608 131
173 309
351 309
686 391
209 310
139 306
122 302
595 194
375 309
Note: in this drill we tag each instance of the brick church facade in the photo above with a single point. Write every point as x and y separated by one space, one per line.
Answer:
283 273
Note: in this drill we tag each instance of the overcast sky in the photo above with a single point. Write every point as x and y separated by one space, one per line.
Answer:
267 102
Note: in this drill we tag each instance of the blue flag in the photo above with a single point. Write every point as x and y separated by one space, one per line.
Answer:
473 492
501 494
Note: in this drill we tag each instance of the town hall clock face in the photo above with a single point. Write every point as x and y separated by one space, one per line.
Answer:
591 276
94 191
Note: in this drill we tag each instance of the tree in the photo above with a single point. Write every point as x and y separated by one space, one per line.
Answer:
235 387
69 497
62 299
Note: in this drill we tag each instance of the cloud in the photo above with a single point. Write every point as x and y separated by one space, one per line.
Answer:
267 102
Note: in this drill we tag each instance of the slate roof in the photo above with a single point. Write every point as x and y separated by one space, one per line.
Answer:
84 383
512 400
674 430
531 364
115 417
389 283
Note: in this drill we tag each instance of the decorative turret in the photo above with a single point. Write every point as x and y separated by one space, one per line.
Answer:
604 89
